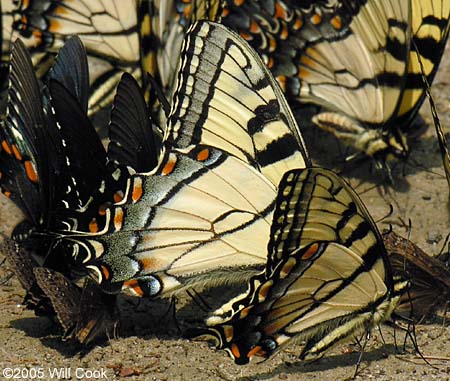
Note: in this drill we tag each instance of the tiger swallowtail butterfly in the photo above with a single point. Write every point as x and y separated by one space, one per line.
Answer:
354 60
327 277
113 32
202 216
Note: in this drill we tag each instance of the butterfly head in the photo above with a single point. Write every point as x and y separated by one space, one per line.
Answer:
396 145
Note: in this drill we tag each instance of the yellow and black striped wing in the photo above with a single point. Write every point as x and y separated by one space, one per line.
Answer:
107 28
355 59
430 27
204 210
327 278
226 98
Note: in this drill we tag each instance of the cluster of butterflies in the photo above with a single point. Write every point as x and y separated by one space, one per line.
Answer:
214 188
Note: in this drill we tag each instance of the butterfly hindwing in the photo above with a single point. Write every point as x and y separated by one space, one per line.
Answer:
186 222
25 163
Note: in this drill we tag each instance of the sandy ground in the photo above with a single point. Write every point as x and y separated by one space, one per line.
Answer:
148 346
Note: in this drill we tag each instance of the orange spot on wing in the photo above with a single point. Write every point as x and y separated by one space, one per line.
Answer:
316 19
169 167
38 36
311 251
134 285
255 351
187 11
298 23
31 171
137 190
246 36
203 155
16 152
287 267
284 32
118 218
280 12
336 21
105 272
245 312
6 147
270 63
102 208
235 351
24 21
303 73
264 290
118 196
225 12
272 44
6 193
148 264
60 11
54 26
254 27
239 2
228 331
93 226
282 82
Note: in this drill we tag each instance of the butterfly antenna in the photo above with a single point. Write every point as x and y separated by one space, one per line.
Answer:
173 311
437 123
199 300
159 94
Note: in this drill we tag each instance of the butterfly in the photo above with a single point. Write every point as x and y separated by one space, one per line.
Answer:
59 186
429 277
83 312
351 60
327 277
229 138
103 26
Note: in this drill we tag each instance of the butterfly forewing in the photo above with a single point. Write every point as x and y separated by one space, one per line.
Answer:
226 98
131 137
